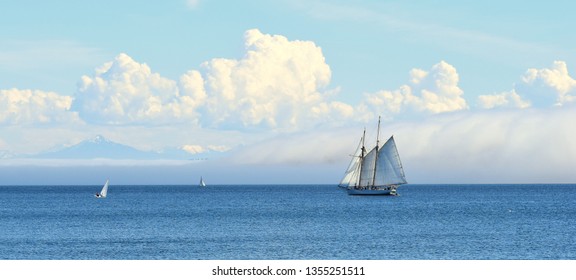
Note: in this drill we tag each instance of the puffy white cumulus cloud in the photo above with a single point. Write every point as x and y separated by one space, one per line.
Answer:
191 94
19 107
276 84
549 85
537 88
509 99
434 91
438 89
333 111
124 91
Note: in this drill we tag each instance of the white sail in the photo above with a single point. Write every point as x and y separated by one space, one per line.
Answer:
389 169
351 176
352 173
104 191
367 172
202 183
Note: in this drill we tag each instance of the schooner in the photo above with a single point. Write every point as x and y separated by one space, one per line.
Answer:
377 172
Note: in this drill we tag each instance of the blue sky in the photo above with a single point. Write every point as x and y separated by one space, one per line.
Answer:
474 91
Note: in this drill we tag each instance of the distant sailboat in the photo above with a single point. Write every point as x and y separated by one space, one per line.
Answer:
202 184
378 172
104 191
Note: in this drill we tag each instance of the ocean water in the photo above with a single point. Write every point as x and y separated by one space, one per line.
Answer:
288 222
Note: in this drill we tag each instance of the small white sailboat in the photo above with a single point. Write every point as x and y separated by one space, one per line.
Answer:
378 172
104 191
202 183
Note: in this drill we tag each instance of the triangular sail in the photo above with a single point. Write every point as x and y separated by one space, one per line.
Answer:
104 190
351 174
389 169
202 184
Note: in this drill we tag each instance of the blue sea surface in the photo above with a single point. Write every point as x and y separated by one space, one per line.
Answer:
288 222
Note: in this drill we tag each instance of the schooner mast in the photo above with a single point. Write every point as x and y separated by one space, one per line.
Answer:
362 156
376 156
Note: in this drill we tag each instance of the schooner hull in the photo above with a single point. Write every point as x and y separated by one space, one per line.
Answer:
352 191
